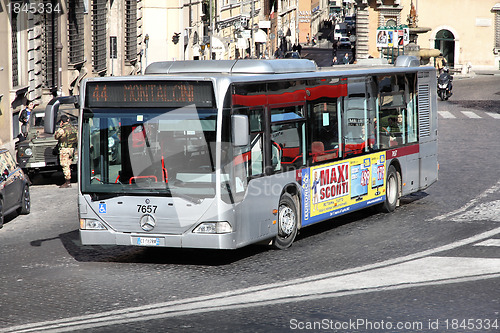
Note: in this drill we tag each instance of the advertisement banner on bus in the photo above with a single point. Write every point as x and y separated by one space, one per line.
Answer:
336 188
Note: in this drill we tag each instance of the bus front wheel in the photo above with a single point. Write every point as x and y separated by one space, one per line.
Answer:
287 222
393 190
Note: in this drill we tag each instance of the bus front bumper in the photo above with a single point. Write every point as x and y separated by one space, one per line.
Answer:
186 240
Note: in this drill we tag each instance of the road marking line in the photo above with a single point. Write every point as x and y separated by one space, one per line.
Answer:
489 242
486 211
415 270
471 114
415 273
446 114
493 115
485 194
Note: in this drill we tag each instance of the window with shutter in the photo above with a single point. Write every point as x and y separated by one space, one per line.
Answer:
131 31
99 49
76 32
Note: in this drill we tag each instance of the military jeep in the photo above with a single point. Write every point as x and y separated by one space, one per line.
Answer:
38 151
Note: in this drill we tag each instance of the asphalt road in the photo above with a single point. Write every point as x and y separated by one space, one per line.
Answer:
433 265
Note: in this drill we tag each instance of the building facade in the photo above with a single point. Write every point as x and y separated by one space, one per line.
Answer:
467 32
51 46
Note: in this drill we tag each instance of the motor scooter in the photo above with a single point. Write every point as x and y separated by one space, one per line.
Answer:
444 85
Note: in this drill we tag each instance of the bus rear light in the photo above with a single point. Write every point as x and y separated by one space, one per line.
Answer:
91 224
213 228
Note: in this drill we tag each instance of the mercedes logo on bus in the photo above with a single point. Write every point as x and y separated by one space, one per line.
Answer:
147 222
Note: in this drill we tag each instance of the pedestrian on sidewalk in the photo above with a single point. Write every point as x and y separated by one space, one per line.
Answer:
24 117
278 54
346 60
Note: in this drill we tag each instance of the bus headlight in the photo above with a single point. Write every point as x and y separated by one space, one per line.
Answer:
222 227
91 224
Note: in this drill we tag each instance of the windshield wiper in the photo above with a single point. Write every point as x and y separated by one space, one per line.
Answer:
192 199
96 196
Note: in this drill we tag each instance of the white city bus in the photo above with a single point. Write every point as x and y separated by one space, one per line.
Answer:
222 154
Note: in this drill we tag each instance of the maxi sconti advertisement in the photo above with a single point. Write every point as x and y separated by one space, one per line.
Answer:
341 187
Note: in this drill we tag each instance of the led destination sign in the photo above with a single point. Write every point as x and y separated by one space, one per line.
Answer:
149 94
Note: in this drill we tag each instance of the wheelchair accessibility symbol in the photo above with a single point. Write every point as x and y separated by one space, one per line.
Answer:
102 208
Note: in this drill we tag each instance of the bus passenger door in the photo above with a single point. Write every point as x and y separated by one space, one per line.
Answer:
249 169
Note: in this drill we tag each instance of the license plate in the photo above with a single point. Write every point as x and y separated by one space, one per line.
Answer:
148 241
37 164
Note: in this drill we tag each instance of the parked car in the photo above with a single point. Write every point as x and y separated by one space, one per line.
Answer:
350 21
292 54
37 152
344 43
14 187
340 31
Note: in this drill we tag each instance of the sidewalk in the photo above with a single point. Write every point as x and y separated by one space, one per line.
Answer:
474 73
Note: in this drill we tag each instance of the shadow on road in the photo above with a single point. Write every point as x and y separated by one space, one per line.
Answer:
484 105
133 254
50 178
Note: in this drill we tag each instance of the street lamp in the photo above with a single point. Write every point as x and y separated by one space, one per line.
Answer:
59 48
146 42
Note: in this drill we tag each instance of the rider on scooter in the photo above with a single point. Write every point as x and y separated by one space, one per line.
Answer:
444 75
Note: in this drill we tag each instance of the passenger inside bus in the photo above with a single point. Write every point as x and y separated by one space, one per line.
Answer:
395 129
318 152
323 127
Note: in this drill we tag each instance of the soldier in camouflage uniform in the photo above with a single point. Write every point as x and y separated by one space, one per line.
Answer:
66 135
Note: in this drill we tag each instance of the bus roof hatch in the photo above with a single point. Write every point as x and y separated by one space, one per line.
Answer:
244 66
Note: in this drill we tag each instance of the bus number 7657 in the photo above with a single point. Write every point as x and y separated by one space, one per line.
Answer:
146 209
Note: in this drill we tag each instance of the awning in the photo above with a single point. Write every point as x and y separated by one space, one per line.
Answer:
21 96
217 45
196 50
260 36
242 43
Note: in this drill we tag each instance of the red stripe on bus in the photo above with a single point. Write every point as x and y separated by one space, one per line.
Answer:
402 151
331 91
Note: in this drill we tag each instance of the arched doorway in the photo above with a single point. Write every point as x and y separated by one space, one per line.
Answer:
445 42
391 23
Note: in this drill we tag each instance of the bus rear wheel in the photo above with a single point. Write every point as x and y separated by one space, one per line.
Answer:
287 222
393 190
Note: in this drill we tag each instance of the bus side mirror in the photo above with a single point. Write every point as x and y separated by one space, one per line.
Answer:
240 130
52 109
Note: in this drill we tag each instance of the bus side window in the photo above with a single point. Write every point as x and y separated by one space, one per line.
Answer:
355 117
411 109
251 157
287 131
323 129
393 115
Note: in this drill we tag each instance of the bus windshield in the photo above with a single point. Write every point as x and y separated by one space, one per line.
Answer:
149 151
